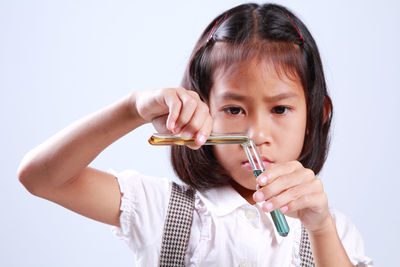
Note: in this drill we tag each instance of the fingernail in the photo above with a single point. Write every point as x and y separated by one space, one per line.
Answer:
177 130
263 179
172 125
187 135
201 138
268 206
259 196
284 209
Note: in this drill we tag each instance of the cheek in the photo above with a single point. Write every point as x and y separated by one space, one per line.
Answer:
218 126
293 140
225 155
219 152
296 144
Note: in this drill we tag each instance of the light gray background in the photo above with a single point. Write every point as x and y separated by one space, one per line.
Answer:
60 60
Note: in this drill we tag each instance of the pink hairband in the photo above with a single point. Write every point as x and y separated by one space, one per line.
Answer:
297 29
214 29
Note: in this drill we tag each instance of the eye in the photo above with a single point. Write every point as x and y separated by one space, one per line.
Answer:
233 110
280 110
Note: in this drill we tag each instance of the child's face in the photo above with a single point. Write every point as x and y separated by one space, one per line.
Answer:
271 109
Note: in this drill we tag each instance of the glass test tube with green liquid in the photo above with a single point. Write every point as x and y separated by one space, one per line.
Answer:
258 167
229 138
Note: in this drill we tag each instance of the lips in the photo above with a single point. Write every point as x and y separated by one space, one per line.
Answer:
265 162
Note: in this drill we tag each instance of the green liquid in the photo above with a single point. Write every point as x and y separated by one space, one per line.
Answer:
257 173
279 219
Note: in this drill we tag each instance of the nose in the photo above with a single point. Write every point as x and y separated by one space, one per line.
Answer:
259 129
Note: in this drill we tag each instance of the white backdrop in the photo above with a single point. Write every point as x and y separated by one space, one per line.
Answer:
60 60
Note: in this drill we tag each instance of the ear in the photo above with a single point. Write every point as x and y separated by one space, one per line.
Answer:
327 108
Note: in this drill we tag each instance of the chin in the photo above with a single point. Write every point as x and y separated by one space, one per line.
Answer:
245 185
252 187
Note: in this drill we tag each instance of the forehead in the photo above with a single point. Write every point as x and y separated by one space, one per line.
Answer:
254 79
232 60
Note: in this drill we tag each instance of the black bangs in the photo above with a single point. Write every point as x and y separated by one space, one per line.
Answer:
285 58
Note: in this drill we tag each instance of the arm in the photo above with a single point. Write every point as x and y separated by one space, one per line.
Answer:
57 169
326 246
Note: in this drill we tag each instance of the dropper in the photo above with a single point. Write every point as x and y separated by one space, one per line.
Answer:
250 149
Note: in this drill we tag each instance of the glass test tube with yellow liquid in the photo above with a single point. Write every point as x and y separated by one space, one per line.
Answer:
229 138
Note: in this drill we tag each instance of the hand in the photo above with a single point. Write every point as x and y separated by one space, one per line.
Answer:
176 110
296 192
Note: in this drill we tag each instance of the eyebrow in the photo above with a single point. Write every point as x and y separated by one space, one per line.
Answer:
275 98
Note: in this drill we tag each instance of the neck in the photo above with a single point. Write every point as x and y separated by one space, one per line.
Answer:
247 194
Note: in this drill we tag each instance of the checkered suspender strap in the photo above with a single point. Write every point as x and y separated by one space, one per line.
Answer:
306 258
177 226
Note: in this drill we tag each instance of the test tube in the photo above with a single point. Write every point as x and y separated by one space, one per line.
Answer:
258 167
158 139
250 149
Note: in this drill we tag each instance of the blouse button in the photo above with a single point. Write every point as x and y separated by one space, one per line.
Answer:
250 214
244 264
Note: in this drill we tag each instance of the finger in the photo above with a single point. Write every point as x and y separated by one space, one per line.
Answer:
193 94
202 135
197 121
205 131
287 196
189 105
273 171
174 104
282 183
316 202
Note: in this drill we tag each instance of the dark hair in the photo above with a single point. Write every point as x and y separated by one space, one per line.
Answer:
266 32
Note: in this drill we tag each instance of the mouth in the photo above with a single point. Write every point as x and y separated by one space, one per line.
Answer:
246 164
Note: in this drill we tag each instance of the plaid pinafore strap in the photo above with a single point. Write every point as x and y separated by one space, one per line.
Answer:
177 230
177 226
306 257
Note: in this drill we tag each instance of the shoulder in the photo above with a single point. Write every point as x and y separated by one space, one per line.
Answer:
351 238
346 229
143 206
131 181
148 191
344 225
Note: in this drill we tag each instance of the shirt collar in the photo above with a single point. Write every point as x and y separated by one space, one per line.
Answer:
224 200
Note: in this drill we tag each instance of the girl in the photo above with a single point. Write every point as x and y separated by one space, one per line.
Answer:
255 69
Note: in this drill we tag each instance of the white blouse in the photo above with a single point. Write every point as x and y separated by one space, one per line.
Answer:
226 229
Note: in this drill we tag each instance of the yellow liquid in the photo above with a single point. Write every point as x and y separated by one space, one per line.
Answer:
166 140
